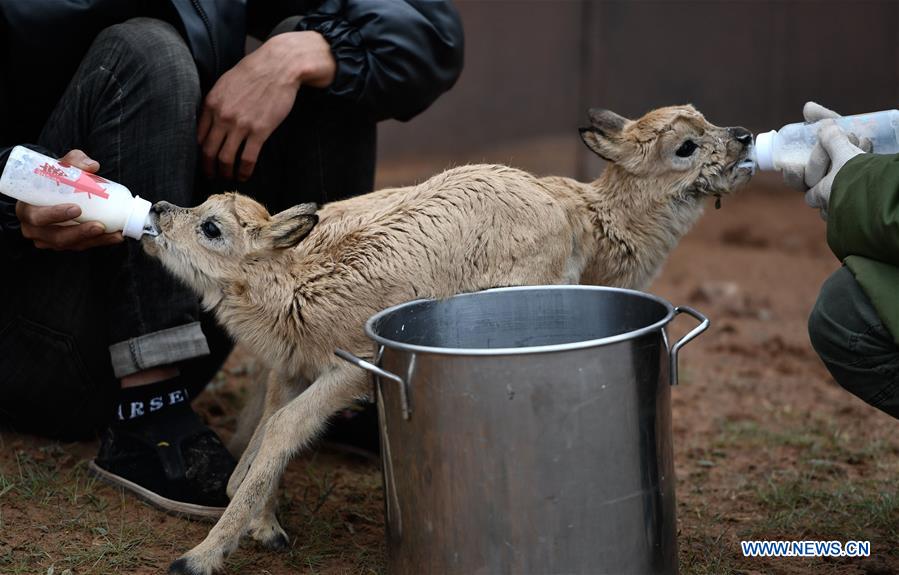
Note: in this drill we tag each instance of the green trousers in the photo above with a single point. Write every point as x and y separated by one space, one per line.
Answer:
854 344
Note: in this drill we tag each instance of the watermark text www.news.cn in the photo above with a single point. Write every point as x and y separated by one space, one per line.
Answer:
806 548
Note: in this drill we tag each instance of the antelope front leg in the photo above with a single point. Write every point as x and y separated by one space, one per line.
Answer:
288 430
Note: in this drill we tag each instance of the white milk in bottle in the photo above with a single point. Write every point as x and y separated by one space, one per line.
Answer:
791 146
39 180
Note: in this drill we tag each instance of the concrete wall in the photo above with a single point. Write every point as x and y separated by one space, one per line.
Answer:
533 66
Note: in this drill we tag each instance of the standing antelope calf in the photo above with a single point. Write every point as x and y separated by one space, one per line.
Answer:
295 286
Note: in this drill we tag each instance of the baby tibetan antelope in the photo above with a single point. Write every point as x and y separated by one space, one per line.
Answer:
295 286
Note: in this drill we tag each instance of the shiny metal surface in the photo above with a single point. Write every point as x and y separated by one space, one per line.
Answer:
557 459
520 320
675 349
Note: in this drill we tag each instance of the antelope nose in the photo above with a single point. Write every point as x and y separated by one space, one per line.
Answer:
160 207
741 135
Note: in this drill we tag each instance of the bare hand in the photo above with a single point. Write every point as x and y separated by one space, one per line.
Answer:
251 100
39 222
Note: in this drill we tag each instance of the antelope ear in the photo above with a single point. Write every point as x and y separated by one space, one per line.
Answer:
604 134
606 121
288 228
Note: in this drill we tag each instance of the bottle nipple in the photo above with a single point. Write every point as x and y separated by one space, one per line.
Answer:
138 219
763 150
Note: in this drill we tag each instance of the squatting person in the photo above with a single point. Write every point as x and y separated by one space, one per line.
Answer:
854 325
93 334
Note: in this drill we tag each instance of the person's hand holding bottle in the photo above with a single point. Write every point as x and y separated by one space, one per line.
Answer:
40 223
833 149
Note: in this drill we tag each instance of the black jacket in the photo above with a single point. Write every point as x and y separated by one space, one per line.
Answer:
394 57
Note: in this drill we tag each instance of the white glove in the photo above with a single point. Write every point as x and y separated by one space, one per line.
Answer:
807 176
796 177
837 149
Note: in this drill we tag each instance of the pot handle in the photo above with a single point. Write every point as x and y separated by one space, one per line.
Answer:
367 366
703 325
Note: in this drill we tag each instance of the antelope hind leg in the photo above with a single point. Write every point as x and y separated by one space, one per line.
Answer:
265 527
287 431
279 391
250 415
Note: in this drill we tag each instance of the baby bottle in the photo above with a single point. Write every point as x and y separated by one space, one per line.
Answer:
43 181
792 145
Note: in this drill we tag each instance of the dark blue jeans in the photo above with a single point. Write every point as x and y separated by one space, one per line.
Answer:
71 324
854 344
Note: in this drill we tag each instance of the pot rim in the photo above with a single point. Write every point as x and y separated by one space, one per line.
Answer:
633 334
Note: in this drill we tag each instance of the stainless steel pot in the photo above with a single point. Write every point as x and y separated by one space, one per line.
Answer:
528 430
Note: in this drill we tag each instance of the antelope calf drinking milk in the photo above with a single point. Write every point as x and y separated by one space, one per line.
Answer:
295 286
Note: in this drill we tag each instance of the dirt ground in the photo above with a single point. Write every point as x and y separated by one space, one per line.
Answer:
767 446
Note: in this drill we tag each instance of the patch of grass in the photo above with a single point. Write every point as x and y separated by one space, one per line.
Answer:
8 563
80 489
703 551
114 548
90 540
91 546
706 554
799 505
241 563
324 530
35 479
316 529
819 442
53 513
6 484
810 478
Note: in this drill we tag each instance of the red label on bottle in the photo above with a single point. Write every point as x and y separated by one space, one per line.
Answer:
86 183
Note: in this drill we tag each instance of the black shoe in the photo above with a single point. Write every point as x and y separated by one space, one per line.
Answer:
355 431
171 460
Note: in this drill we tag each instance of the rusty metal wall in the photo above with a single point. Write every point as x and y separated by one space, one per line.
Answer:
533 66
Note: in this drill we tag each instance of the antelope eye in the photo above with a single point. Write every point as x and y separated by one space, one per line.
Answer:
210 230
686 149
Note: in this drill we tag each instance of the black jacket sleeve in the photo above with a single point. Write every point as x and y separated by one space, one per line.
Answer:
12 244
394 58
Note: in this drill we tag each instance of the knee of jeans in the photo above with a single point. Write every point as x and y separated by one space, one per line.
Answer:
830 339
156 50
819 329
